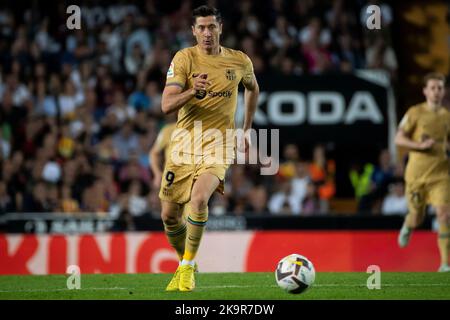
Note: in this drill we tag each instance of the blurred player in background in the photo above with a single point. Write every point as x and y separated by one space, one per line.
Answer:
160 150
424 130
202 86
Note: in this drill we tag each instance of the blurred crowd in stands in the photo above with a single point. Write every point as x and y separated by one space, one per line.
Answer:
80 109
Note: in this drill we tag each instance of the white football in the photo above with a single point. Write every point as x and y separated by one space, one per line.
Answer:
295 273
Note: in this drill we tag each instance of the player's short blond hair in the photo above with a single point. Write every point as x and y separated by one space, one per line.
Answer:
433 76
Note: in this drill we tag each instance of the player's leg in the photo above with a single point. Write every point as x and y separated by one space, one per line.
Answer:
443 218
416 213
174 225
175 191
440 199
203 188
175 229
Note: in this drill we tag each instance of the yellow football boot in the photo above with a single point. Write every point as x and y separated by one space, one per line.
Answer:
174 284
187 279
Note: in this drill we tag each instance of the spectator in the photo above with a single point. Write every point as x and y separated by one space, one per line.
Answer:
360 178
19 92
314 32
384 172
237 187
7 203
258 200
134 61
379 55
37 201
69 100
121 109
94 198
5 146
137 202
282 34
148 100
218 205
395 202
322 172
291 155
318 58
154 204
300 181
348 56
312 204
126 141
68 203
282 202
66 144
381 177
53 198
134 170
105 172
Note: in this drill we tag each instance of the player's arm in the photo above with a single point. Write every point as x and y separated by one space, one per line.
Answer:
406 127
251 93
155 156
173 97
403 140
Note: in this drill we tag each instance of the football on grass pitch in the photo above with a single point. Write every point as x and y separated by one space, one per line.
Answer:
295 273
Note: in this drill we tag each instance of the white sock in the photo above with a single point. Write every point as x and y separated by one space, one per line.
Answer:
187 262
406 229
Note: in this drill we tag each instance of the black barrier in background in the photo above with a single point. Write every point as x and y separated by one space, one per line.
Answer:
51 223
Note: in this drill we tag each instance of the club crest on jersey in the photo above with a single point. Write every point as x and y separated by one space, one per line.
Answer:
230 74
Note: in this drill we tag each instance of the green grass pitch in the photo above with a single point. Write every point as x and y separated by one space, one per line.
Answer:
227 286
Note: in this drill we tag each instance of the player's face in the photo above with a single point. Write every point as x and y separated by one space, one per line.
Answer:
434 91
207 31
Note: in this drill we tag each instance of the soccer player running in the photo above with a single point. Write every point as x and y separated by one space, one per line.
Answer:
202 86
424 130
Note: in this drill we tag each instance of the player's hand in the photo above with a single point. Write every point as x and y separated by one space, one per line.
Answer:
426 144
244 143
157 180
201 82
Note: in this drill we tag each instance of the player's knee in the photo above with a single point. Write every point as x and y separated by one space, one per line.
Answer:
199 202
169 218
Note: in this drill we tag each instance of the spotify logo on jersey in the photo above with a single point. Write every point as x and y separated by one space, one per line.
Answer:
200 94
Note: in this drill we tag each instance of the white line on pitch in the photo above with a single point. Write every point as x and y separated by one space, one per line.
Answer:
334 285
339 285
61 289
